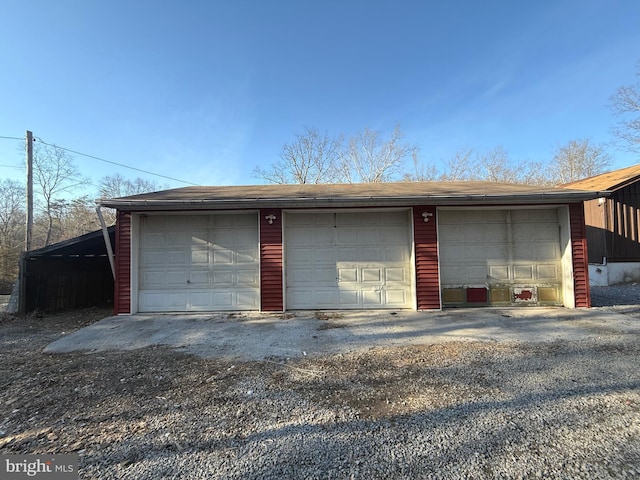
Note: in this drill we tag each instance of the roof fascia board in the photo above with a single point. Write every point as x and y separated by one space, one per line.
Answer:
237 203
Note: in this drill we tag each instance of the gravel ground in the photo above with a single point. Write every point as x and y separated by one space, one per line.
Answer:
562 409
619 296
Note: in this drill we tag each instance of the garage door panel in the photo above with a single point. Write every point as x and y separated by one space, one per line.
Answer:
392 274
149 259
499 272
544 216
388 237
346 254
153 279
200 300
173 300
321 256
536 251
176 278
154 240
247 278
298 276
322 276
222 278
449 275
245 256
396 297
476 273
184 267
198 278
199 239
222 256
176 258
349 299
340 256
395 254
154 302
523 272
372 298
369 254
325 298
449 250
199 257
499 248
545 251
223 299
314 236
548 272
345 236
370 275
346 275
224 239
298 255
245 239
247 298
300 298
535 233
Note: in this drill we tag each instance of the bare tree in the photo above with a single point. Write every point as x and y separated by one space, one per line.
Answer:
76 217
421 172
311 158
114 186
55 173
12 217
535 173
576 160
369 158
459 166
625 103
495 166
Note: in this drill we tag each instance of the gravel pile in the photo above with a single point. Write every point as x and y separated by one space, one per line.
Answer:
559 410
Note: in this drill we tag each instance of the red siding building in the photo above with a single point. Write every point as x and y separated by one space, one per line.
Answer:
421 246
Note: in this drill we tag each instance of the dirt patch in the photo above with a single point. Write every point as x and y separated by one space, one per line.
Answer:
328 319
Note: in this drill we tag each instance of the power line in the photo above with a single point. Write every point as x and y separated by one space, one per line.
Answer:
113 163
11 138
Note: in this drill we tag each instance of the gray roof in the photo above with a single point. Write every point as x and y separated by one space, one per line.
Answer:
348 195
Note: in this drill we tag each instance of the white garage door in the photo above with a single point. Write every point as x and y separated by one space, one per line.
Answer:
198 263
348 260
508 248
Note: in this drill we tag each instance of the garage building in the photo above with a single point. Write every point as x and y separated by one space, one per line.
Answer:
415 245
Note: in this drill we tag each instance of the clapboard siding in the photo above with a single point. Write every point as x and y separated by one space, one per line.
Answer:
122 301
426 252
271 287
579 255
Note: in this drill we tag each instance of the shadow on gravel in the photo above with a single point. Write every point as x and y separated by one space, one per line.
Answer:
438 434
519 408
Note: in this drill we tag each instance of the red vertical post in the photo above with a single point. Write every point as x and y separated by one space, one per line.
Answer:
122 294
425 239
579 256
271 261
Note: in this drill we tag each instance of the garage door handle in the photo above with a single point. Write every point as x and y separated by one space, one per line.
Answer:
188 281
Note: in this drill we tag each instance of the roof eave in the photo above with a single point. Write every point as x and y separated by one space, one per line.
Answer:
323 202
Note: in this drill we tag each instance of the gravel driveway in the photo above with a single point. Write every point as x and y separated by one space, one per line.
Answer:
561 409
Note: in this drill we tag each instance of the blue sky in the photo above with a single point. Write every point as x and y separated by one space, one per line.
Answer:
205 91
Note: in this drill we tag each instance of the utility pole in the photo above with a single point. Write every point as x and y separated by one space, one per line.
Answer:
29 226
